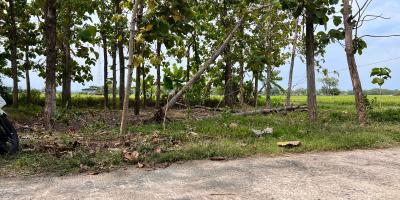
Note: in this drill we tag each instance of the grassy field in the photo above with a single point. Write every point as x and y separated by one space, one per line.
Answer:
335 130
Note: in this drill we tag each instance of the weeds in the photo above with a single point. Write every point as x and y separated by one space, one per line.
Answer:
190 139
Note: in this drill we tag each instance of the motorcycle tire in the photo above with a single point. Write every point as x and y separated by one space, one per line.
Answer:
9 143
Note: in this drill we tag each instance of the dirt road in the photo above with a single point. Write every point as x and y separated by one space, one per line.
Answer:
363 174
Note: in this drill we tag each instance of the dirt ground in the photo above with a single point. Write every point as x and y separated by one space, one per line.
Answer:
361 174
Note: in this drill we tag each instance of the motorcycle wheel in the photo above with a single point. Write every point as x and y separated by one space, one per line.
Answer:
9 143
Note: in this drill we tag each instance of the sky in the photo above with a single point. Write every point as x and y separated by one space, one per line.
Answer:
381 52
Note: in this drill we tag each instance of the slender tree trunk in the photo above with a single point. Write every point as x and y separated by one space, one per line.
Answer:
114 74
196 52
351 61
13 43
241 83
51 60
160 113
120 43
311 89
132 50
137 91
241 73
255 93
105 68
229 99
27 77
144 87
67 71
158 79
293 57
138 68
121 73
268 88
188 68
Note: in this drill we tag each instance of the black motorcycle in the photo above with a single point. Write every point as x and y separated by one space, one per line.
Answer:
9 141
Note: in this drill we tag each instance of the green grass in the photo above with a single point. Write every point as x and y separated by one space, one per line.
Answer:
336 129
331 133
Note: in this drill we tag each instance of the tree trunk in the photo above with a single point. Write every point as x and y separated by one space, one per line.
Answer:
293 57
229 99
144 87
137 91
51 60
13 44
158 116
268 88
241 73
121 73
311 89
188 63
67 71
27 77
196 52
114 74
105 68
138 68
241 83
158 79
132 50
351 61
120 43
255 92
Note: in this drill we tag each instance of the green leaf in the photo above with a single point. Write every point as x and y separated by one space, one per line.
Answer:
337 20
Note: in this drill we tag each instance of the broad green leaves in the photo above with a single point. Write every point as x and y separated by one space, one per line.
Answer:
359 45
380 75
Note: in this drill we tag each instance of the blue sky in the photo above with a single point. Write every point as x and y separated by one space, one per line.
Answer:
386 51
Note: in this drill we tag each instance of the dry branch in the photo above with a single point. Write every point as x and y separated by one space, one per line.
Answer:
158 116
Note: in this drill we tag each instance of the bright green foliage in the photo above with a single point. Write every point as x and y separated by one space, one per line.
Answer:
380 75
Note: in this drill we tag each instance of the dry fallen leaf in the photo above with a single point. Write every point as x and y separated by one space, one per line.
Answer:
233 125
130 156
140 165
158 150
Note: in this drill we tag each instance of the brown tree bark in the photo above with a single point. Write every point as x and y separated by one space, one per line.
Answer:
27 77
114 74
105 69
138 68
158 116
241 74
137 91
121 73
255 92
229 99
51 60
188 68
351 61
13 44
292 60
120 44
268 88
311 89
144 90
67 70
158 78
241 83
133 49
